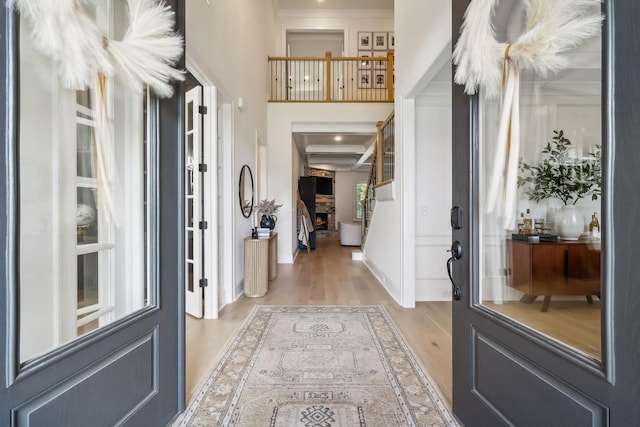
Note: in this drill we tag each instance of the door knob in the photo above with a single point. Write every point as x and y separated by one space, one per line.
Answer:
456 254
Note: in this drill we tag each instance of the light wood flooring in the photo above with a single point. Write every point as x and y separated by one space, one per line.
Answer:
326 276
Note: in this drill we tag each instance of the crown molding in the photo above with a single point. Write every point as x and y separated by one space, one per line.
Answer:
335 13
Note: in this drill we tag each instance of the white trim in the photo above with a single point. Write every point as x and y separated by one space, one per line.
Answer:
336 13
386 192
193 298
228 220
209 182
407 146
91 317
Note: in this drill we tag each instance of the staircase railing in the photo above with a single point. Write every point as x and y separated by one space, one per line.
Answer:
382 170
369 201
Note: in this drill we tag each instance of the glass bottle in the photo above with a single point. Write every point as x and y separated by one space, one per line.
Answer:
521 223
594 227
528 223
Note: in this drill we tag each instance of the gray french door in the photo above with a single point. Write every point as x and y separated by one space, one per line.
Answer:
92 319
513 364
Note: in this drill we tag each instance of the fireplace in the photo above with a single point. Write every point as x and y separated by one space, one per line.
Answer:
322 221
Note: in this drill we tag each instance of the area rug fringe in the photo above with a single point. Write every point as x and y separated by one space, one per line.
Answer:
229 416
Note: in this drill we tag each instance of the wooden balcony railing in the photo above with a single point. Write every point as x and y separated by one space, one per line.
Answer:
328 79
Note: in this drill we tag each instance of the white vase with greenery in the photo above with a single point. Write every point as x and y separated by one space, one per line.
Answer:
564 177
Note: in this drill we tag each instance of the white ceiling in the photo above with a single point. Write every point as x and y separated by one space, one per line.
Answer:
351 153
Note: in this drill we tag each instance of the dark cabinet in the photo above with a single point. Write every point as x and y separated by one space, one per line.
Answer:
553 268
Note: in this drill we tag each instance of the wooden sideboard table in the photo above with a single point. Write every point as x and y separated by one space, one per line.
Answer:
553 268
260 264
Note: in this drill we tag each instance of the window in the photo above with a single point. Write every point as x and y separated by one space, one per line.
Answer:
361 194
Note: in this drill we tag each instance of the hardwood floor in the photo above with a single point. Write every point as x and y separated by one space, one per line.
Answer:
575 323
326 276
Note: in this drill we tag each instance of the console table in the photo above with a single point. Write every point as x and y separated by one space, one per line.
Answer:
260 264
553 268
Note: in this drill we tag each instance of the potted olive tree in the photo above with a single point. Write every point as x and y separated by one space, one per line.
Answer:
562 176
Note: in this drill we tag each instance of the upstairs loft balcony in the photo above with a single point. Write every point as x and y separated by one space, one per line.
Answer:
329 79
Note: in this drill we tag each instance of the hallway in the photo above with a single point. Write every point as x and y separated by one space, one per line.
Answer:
326 276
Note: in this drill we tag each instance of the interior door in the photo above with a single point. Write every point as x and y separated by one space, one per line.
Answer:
194 225
123 366
512 370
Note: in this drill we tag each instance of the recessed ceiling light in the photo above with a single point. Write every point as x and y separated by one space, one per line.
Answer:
338 138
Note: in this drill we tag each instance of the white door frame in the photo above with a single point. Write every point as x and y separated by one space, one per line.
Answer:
194 198
219 291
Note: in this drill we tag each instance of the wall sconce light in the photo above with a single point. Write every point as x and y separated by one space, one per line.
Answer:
240 103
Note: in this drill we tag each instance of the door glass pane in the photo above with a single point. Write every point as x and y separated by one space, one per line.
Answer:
87 216
190 286
190 212
541 254
190 165
86 148
87 280
86 219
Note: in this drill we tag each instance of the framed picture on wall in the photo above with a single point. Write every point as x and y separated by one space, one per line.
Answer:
364 41
379 65
392 41
379 80
364 79
379 41
365 63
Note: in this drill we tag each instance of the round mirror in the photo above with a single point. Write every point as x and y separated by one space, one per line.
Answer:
245 191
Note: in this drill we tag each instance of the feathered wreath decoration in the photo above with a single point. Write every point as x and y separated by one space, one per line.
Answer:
62 30
552 28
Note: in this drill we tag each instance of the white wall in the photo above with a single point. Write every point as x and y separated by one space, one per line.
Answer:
222 39
433 191
382 253
346 194
423 31
285 118
423 38
333 20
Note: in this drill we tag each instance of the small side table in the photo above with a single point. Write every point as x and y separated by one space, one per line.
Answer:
260 264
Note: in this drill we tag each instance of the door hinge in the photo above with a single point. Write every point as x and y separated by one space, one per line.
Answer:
202 225
202 109
202 167
203 283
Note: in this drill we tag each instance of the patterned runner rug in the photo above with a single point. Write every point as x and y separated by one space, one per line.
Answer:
318 366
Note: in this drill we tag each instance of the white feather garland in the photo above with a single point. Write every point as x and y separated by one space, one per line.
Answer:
149 48
62 31
552 28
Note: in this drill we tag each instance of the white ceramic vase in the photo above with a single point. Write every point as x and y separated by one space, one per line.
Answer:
569 222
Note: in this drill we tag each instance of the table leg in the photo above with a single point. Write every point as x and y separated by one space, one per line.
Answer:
545 304
528 299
